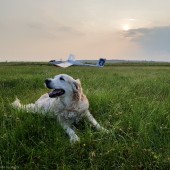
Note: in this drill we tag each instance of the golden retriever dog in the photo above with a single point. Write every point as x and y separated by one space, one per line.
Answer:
66 102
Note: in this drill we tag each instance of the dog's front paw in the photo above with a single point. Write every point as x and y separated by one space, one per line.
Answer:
16 103
74 138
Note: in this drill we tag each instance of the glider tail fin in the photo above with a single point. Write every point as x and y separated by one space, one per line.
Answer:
101 62
71 57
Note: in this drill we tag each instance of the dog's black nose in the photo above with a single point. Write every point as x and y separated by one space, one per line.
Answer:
47 81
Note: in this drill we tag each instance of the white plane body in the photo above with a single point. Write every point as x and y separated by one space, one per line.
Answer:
72 62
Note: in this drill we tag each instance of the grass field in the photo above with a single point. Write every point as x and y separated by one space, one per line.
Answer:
133 102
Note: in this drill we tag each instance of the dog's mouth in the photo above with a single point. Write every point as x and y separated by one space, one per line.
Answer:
56 93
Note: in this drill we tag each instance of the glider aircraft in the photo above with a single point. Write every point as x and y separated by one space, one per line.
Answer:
72 62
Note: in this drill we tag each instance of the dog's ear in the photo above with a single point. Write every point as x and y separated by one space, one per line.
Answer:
76 85
77 90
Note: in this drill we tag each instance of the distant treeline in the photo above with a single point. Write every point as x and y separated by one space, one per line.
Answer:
23 63
139 64
107 63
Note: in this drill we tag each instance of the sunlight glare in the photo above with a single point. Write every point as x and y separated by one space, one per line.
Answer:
126 27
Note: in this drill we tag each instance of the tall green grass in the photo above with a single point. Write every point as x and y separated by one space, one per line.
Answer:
132 102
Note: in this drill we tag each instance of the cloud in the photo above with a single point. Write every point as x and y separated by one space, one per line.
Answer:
53 30
70 30
152 40
35 25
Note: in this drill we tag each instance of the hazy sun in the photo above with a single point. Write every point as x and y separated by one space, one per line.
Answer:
126 27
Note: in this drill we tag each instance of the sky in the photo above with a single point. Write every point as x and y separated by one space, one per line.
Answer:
41 30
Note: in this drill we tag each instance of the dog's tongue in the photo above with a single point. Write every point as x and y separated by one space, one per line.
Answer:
56 93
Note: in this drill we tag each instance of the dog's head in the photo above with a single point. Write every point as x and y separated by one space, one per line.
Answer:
63 85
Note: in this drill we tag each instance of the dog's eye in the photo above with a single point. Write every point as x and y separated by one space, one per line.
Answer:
61 78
